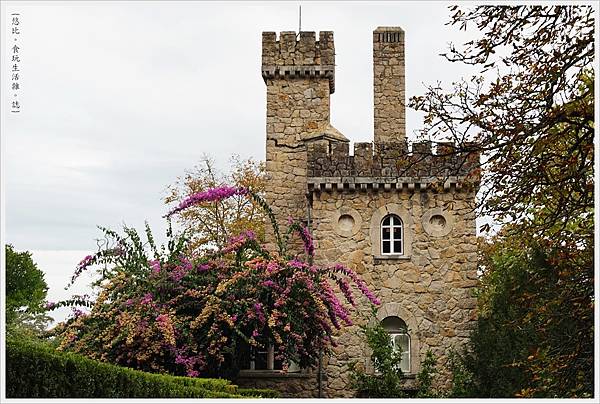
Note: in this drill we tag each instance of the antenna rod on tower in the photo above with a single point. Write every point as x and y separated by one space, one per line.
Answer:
299 19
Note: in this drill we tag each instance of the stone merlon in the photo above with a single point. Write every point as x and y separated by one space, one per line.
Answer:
293 57
390 163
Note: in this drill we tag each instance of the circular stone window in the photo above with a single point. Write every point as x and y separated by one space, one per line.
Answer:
437 222
347 222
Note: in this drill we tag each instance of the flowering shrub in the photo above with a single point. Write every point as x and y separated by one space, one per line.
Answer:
160 310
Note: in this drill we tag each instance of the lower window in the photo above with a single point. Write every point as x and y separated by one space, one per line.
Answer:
398 332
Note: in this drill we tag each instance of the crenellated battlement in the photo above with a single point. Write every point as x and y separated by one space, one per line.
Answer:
293 57
388 165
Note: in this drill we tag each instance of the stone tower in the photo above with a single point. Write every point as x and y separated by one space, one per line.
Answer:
300 76
400 216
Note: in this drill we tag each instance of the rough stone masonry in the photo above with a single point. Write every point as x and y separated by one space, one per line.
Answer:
344 198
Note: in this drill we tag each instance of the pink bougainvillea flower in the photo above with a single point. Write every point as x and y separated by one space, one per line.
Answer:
147 299
82 266
210 195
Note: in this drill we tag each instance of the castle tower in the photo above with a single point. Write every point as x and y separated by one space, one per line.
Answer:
402 219
388 84
300 76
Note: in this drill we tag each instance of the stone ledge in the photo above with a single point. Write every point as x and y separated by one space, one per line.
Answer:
292 71
272 374
392 257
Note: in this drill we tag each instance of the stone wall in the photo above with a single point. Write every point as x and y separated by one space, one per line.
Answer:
430 288
289 386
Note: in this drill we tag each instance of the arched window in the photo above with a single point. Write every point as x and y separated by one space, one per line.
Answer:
392 239
398 331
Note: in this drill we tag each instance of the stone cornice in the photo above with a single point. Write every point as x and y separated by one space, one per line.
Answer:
352 184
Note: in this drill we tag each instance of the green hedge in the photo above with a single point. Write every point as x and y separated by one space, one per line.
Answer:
258 393
35 370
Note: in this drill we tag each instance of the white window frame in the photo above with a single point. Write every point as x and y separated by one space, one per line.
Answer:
392 226
269 351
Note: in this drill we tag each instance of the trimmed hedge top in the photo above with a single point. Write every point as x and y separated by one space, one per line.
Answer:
36 370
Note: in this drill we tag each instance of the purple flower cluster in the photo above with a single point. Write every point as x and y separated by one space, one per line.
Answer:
236 242
155 266
337 310
345 288
210 195
50 305
147 299
77 312
362 286
203 267
177 274
189 362
309 245
82 266
259 313
295 263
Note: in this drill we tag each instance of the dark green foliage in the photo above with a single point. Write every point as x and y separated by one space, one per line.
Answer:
425 377
36 370
462 378
387 381
25 288
534 335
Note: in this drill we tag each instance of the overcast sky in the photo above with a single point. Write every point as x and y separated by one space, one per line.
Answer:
118 99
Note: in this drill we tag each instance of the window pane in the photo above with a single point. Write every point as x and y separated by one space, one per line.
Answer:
386 221
385 233
386 247
405 363
398 233
394 325
260 361
402 341
398 342
398 247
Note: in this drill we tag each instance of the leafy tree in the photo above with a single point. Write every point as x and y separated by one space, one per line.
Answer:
26 292
534 336
530 112
210 226
163 309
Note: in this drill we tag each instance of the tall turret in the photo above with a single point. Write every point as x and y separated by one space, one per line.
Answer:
300 76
